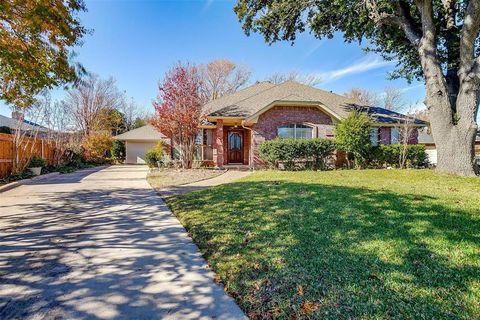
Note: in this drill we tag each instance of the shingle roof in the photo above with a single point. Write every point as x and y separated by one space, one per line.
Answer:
251 100
382 115
25 126
227 104
145 133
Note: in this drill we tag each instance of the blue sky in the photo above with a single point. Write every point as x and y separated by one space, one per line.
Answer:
137 41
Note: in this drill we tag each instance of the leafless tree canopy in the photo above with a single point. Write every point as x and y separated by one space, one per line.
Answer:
390 98
370 98
294 75
131 113
22 134
221 77
87 102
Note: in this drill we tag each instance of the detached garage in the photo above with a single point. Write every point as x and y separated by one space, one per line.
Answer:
138 141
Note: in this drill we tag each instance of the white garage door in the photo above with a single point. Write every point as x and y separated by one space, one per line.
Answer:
136 151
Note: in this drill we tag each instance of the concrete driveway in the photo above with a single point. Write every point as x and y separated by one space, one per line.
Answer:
101 244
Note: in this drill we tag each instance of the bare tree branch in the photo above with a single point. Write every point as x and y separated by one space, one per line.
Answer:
294 75
221 77
401 18
88 102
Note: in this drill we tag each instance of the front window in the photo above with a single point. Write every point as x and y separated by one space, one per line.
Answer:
374 137
395 134
203 141
296 131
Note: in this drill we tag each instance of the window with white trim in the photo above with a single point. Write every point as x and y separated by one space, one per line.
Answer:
296 131
394 136
374 138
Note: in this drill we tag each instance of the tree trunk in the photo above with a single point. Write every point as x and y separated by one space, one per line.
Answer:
455 152
452 120
454 135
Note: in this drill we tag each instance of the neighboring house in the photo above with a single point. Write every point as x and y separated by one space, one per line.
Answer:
29 127
138 141
427 140
237 123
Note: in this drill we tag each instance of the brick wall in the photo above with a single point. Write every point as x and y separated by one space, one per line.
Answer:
385 135
218 144
268 122
413 137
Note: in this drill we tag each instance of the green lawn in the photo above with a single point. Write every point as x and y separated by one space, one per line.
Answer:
373 244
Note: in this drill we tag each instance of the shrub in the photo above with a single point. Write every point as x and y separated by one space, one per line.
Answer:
313 152
36 162
26 174
118 150
154 156
389 155
352 135
97 146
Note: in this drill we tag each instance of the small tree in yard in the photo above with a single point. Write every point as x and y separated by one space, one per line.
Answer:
178 109
97 145
118 150
24 137
432 40
406 131
352 135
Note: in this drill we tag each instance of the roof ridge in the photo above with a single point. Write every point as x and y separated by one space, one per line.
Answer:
326 91
256 94
236 92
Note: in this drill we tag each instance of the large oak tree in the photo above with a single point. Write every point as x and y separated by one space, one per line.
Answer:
36 41
434 40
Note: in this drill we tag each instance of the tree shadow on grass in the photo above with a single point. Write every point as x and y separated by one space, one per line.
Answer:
100 254
289 249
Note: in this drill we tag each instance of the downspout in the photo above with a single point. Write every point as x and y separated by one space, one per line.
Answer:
250 155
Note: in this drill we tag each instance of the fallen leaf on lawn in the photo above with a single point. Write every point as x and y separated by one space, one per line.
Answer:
300 290
309 307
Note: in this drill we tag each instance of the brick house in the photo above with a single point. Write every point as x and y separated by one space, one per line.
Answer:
237 123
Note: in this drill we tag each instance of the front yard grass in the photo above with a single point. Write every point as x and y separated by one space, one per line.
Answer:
165 178
373 244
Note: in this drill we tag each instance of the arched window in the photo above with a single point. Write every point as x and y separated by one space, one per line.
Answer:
296 131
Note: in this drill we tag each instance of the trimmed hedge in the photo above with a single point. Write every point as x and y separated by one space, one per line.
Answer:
389 155
313 152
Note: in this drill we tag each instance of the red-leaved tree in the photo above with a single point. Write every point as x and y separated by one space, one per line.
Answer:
178 109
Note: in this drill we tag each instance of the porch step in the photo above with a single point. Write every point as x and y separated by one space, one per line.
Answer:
237 167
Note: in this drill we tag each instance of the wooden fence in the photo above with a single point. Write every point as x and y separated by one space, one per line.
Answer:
29 147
